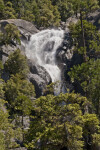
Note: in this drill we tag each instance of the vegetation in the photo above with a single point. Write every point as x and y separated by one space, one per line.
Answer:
88 76
7 133
10 36
68 121
17 64
91 39
61 122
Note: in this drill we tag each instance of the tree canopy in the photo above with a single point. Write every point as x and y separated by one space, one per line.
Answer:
69 121
17 64
62 121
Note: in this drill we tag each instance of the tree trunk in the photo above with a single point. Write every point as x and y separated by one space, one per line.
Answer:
22 128
83 37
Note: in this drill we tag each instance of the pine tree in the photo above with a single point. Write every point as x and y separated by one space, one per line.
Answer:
60 122
83 8
87 75
1 8
91 37
11 35
9 12
20 94
17 64
6 128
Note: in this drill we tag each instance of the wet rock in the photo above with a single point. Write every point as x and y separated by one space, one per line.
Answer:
38 83
39 77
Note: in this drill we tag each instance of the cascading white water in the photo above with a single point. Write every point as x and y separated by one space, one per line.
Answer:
42 49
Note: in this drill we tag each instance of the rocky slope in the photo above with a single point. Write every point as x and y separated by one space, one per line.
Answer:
65 57
38 75
26 30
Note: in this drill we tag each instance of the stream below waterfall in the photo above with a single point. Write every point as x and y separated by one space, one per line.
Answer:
42 50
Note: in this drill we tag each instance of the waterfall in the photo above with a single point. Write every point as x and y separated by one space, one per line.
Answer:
42 50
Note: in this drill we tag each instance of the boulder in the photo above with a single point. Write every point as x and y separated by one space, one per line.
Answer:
39 77
40 71
38 83
70 20
5 50
26 30
65 51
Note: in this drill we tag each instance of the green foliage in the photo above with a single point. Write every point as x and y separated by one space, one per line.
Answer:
48 14
6 10
11 34
92 39
1 38
1 8
22 107
51 88
91 131
6 128
9 12
65 8
57 122
17 63
1 67
23 104
19 94
1 89
45 12
15 88
88 76
31 11
84 7
42 13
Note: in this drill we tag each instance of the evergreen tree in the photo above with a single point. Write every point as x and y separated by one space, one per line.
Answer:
17 64
83 8
48 14
6 128
11 35
9 12
65 8
14 88
60 122
87 75
91 37
1 8
1 68
91 132
19 93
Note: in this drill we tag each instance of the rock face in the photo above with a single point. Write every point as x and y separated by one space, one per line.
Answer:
39 78
64 56
95 18
38 75
26 30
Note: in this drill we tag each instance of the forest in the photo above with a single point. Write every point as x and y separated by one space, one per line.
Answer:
68 121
